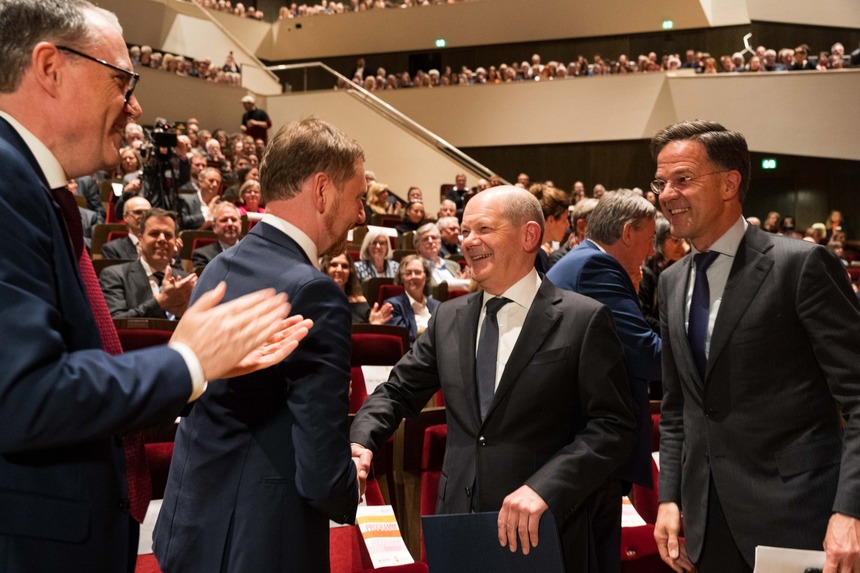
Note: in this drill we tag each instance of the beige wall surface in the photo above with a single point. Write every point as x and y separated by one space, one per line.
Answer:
835 13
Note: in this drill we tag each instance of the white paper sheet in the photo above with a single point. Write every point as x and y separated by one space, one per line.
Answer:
382 536
782 560
374 376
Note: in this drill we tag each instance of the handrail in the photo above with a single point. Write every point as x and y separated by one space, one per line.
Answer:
398 117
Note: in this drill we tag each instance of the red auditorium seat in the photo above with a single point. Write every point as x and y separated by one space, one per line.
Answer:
432 456
388 291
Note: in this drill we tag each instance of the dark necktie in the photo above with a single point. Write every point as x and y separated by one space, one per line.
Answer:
137 472
159 278
487 356
697 329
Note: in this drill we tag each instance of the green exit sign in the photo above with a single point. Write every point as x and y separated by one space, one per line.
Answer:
768 163
668 24
440 43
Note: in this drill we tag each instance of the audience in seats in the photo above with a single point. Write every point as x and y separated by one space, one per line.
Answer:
668 249
195 210
342 271
579 226
428 244
126 247
449 231
227 225
554 203
149 287
250 198
447 209
413 217
377 199
376 257
197 163
457 193
414 306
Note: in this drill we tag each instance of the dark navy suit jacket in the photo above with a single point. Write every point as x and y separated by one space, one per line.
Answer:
403 315
589 271
263 461
62 399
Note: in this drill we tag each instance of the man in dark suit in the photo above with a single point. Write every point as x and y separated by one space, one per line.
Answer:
263 464
227 224
604 267
457 193
88 187
126 247
195 209
197 163
149 286
752 445
539 422
64 401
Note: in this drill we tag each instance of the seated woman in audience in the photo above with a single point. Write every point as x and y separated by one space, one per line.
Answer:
414 306
249 198
554 203
377 199
413 217
340 269
376 257
667 249
836 227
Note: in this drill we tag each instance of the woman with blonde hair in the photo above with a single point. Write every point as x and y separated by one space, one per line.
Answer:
377 199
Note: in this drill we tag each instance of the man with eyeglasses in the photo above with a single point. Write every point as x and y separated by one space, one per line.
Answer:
428 242
71 495
126 247
761 354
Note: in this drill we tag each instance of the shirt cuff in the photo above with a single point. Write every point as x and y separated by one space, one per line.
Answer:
195 369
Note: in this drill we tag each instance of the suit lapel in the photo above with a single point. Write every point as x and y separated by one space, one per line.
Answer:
467 335
749 271
540 320
139 282
677 310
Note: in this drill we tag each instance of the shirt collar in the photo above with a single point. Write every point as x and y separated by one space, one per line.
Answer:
412 301
522 292
48 162
296 234
729 242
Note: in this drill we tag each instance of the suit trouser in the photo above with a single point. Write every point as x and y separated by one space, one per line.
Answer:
605 509
720 553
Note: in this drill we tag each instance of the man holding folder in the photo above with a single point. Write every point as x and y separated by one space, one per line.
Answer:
538 409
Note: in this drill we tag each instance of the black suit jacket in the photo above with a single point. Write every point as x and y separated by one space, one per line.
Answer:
560 423
122 248
204 255
62 399
128 293
263 462
190 213
765 422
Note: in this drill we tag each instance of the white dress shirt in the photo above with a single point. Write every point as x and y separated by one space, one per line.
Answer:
511 317
718 275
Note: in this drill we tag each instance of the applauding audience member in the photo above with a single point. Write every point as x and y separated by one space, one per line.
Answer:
150 287
414 306
340 268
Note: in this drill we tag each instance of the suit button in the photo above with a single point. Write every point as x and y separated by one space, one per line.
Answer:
709 412
468 491
482 441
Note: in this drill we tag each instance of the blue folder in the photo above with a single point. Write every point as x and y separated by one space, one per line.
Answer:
469 543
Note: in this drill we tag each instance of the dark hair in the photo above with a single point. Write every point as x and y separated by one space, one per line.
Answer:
158 213
352 287
726 148
301 149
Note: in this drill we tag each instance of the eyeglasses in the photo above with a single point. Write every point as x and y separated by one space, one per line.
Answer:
132 76
429 239
137 212
679 183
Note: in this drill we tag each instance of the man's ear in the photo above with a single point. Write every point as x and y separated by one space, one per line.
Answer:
531 236
47 66
627 233
319 183
732 185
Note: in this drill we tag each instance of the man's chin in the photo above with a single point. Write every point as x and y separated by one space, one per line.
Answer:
336 248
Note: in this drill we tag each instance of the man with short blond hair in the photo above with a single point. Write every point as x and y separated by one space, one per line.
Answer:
227 224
